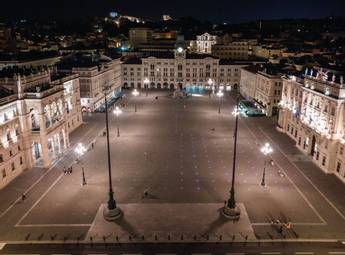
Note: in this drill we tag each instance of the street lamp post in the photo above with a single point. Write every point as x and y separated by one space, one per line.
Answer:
230 210
219 94
135 93
111 212
80 150
117 112
146 84
266 150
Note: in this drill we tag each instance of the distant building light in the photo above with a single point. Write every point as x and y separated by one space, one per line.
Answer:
113 14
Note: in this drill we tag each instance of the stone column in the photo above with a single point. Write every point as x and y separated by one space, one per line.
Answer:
58 141
44 153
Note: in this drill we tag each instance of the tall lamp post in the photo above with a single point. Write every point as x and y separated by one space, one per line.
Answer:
146 84
220 94
117 112
230 210
111 211
135 93
80 150
266 150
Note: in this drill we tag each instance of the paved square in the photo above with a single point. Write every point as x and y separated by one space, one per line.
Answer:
180 152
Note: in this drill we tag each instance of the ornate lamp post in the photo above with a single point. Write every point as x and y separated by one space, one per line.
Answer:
135 93
117 112
111 211
146 84
80 150
230 210
266 150
220 94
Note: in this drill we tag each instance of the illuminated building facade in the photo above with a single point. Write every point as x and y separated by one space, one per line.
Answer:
262 84
204 43
180 70
38 110
95 72
312 113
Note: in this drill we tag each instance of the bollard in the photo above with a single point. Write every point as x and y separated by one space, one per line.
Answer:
220 237
130 238
156 238
143 237
169 237
117 238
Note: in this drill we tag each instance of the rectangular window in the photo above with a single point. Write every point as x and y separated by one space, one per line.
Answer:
323 161
13 167
338 167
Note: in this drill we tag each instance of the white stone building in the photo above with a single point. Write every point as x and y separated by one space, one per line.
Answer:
248 81
180 70
204 42
38 111
262 84
95 73
312 113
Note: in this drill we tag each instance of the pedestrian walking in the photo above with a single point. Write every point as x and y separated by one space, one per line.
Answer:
64 170
91 145
23 197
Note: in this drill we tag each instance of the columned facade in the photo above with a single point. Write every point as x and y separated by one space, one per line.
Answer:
312 113
35 122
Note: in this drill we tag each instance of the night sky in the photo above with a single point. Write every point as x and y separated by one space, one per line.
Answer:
216 10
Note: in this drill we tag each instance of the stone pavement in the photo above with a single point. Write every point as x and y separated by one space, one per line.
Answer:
188 161
171 222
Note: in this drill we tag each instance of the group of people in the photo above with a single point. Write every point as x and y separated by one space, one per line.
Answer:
67 170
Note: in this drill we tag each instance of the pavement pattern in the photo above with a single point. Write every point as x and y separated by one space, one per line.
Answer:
180 152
